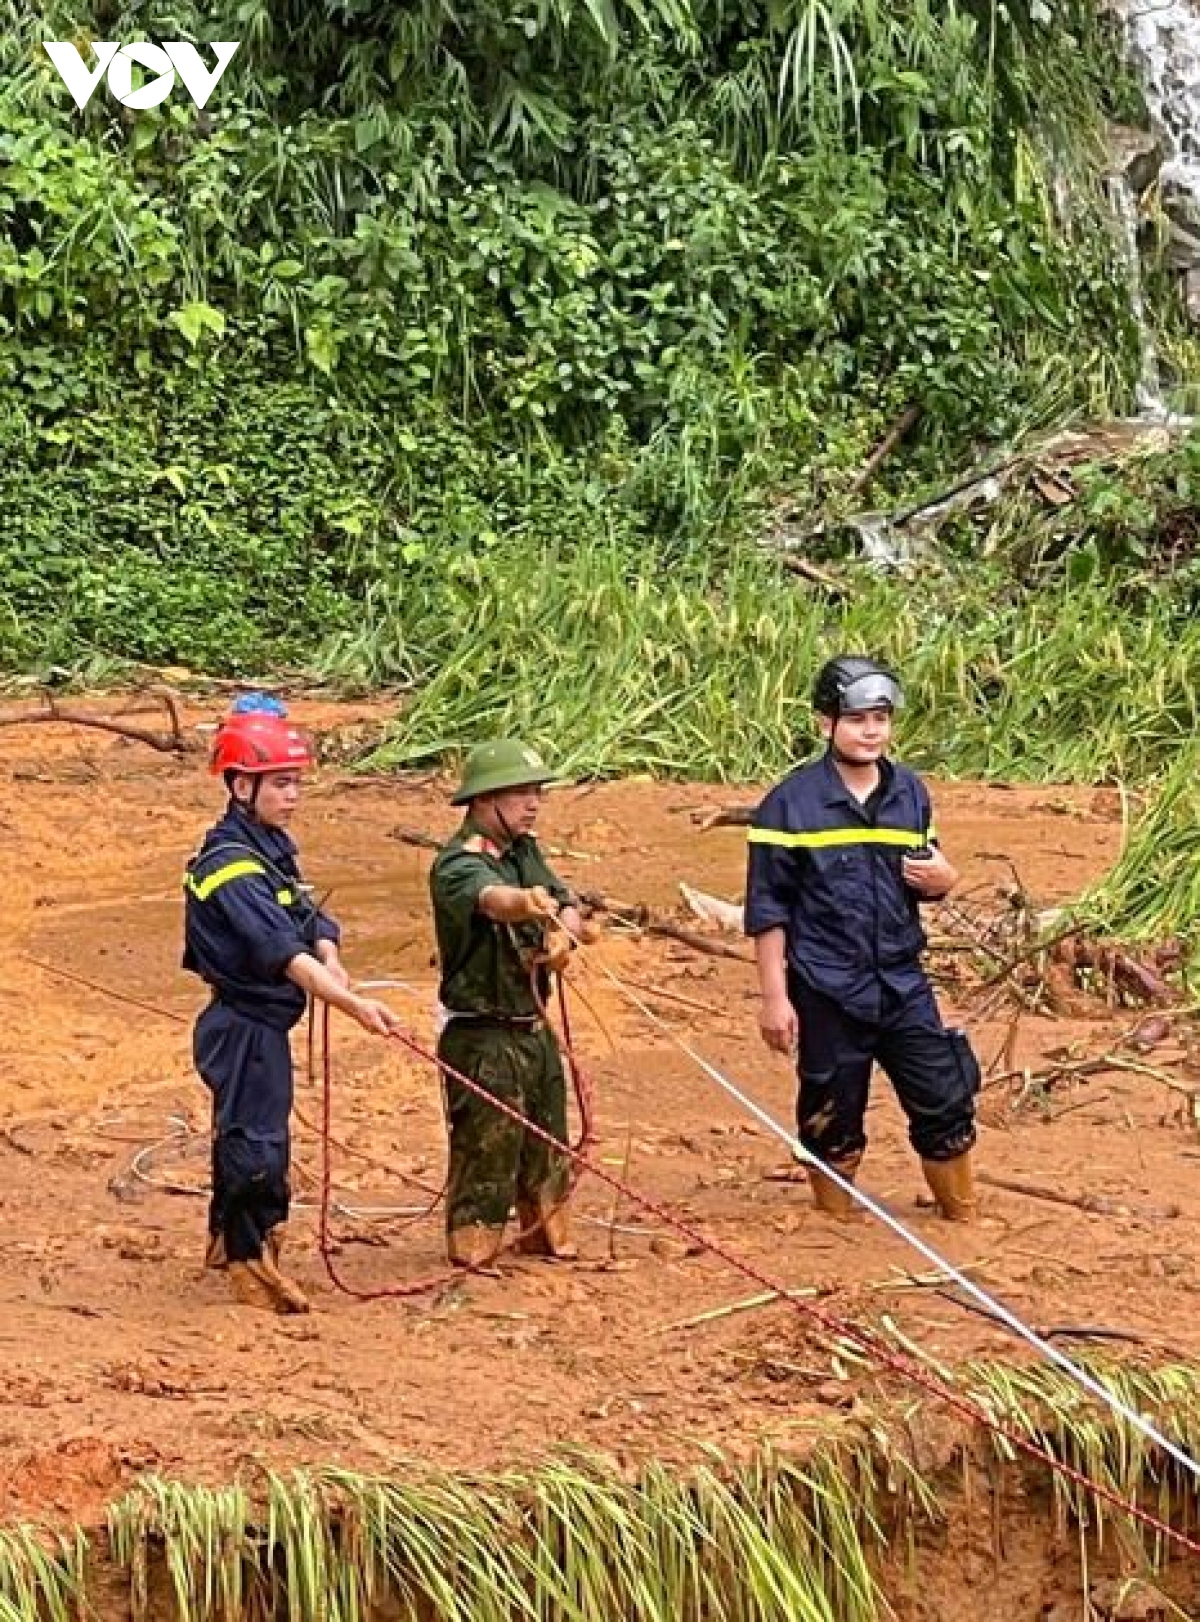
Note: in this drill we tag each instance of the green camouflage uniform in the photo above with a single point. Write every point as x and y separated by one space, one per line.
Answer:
496 1034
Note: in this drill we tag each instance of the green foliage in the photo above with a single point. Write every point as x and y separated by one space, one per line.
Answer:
428 279
693 671
1151 896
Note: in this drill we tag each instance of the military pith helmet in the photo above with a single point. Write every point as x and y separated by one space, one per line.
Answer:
851 683
502 763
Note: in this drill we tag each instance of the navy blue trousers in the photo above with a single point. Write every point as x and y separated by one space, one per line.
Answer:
247 1066
933 1070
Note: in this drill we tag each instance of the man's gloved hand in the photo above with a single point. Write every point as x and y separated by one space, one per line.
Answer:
556 949
536 904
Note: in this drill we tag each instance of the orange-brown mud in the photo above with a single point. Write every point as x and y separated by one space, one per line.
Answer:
120 1355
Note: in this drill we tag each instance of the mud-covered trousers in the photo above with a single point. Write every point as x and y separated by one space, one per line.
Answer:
247 1066
494 1163
933 1070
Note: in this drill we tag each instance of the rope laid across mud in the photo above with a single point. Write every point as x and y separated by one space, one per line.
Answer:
795 1537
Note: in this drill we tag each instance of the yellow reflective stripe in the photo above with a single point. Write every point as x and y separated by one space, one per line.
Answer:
284 897
203 888
827 837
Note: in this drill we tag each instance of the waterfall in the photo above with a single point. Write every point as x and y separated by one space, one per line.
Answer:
1148 396
1164 45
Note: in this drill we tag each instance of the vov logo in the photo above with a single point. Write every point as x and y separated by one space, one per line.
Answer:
164 61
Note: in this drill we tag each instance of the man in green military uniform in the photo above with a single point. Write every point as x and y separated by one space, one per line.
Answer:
500 912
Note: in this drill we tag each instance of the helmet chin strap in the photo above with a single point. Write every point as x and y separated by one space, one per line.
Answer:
505 825
250 804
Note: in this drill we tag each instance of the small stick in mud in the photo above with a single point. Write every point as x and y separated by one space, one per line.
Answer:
1094 1204
726 816
700 943
747 1303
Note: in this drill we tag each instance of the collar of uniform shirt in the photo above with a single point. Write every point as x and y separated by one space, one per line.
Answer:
836 792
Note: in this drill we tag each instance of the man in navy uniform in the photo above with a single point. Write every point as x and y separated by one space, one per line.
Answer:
841 854
262 946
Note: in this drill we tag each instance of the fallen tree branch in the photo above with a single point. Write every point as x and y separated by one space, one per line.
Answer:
1094 1204
639 916
1099 1065
812 572
172 743
1029 953
1081 1331
907 419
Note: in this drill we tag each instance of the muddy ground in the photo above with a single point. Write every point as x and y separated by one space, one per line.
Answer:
120 1355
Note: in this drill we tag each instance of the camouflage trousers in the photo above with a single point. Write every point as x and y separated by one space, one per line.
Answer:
494 1162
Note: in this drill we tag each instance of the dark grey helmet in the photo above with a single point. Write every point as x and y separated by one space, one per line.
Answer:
851 682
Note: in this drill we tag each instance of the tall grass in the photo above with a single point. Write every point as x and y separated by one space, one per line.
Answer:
573 1541
691 670
42 1575
1152 893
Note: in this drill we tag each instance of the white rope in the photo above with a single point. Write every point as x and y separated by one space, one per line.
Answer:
994 1306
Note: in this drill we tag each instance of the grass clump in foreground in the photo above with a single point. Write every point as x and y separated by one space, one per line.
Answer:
776 1538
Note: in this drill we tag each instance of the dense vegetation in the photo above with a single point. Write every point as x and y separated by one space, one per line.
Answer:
433 295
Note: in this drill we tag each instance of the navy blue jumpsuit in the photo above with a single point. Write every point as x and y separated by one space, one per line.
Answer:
825 868
247 915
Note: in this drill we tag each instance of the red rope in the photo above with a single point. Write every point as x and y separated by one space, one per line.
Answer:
436 1281
865 1339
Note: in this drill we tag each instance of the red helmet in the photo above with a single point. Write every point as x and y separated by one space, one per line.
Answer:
256 743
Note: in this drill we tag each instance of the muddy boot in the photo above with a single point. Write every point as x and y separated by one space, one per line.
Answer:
261 1284
953 1187
545 1230
474 1245
249 1290
285 1289
214 1253
829 1199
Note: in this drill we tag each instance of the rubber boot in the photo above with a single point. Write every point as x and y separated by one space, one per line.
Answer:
259 1283
831 1200
474 1245
545 1229
275 1239
953 1187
